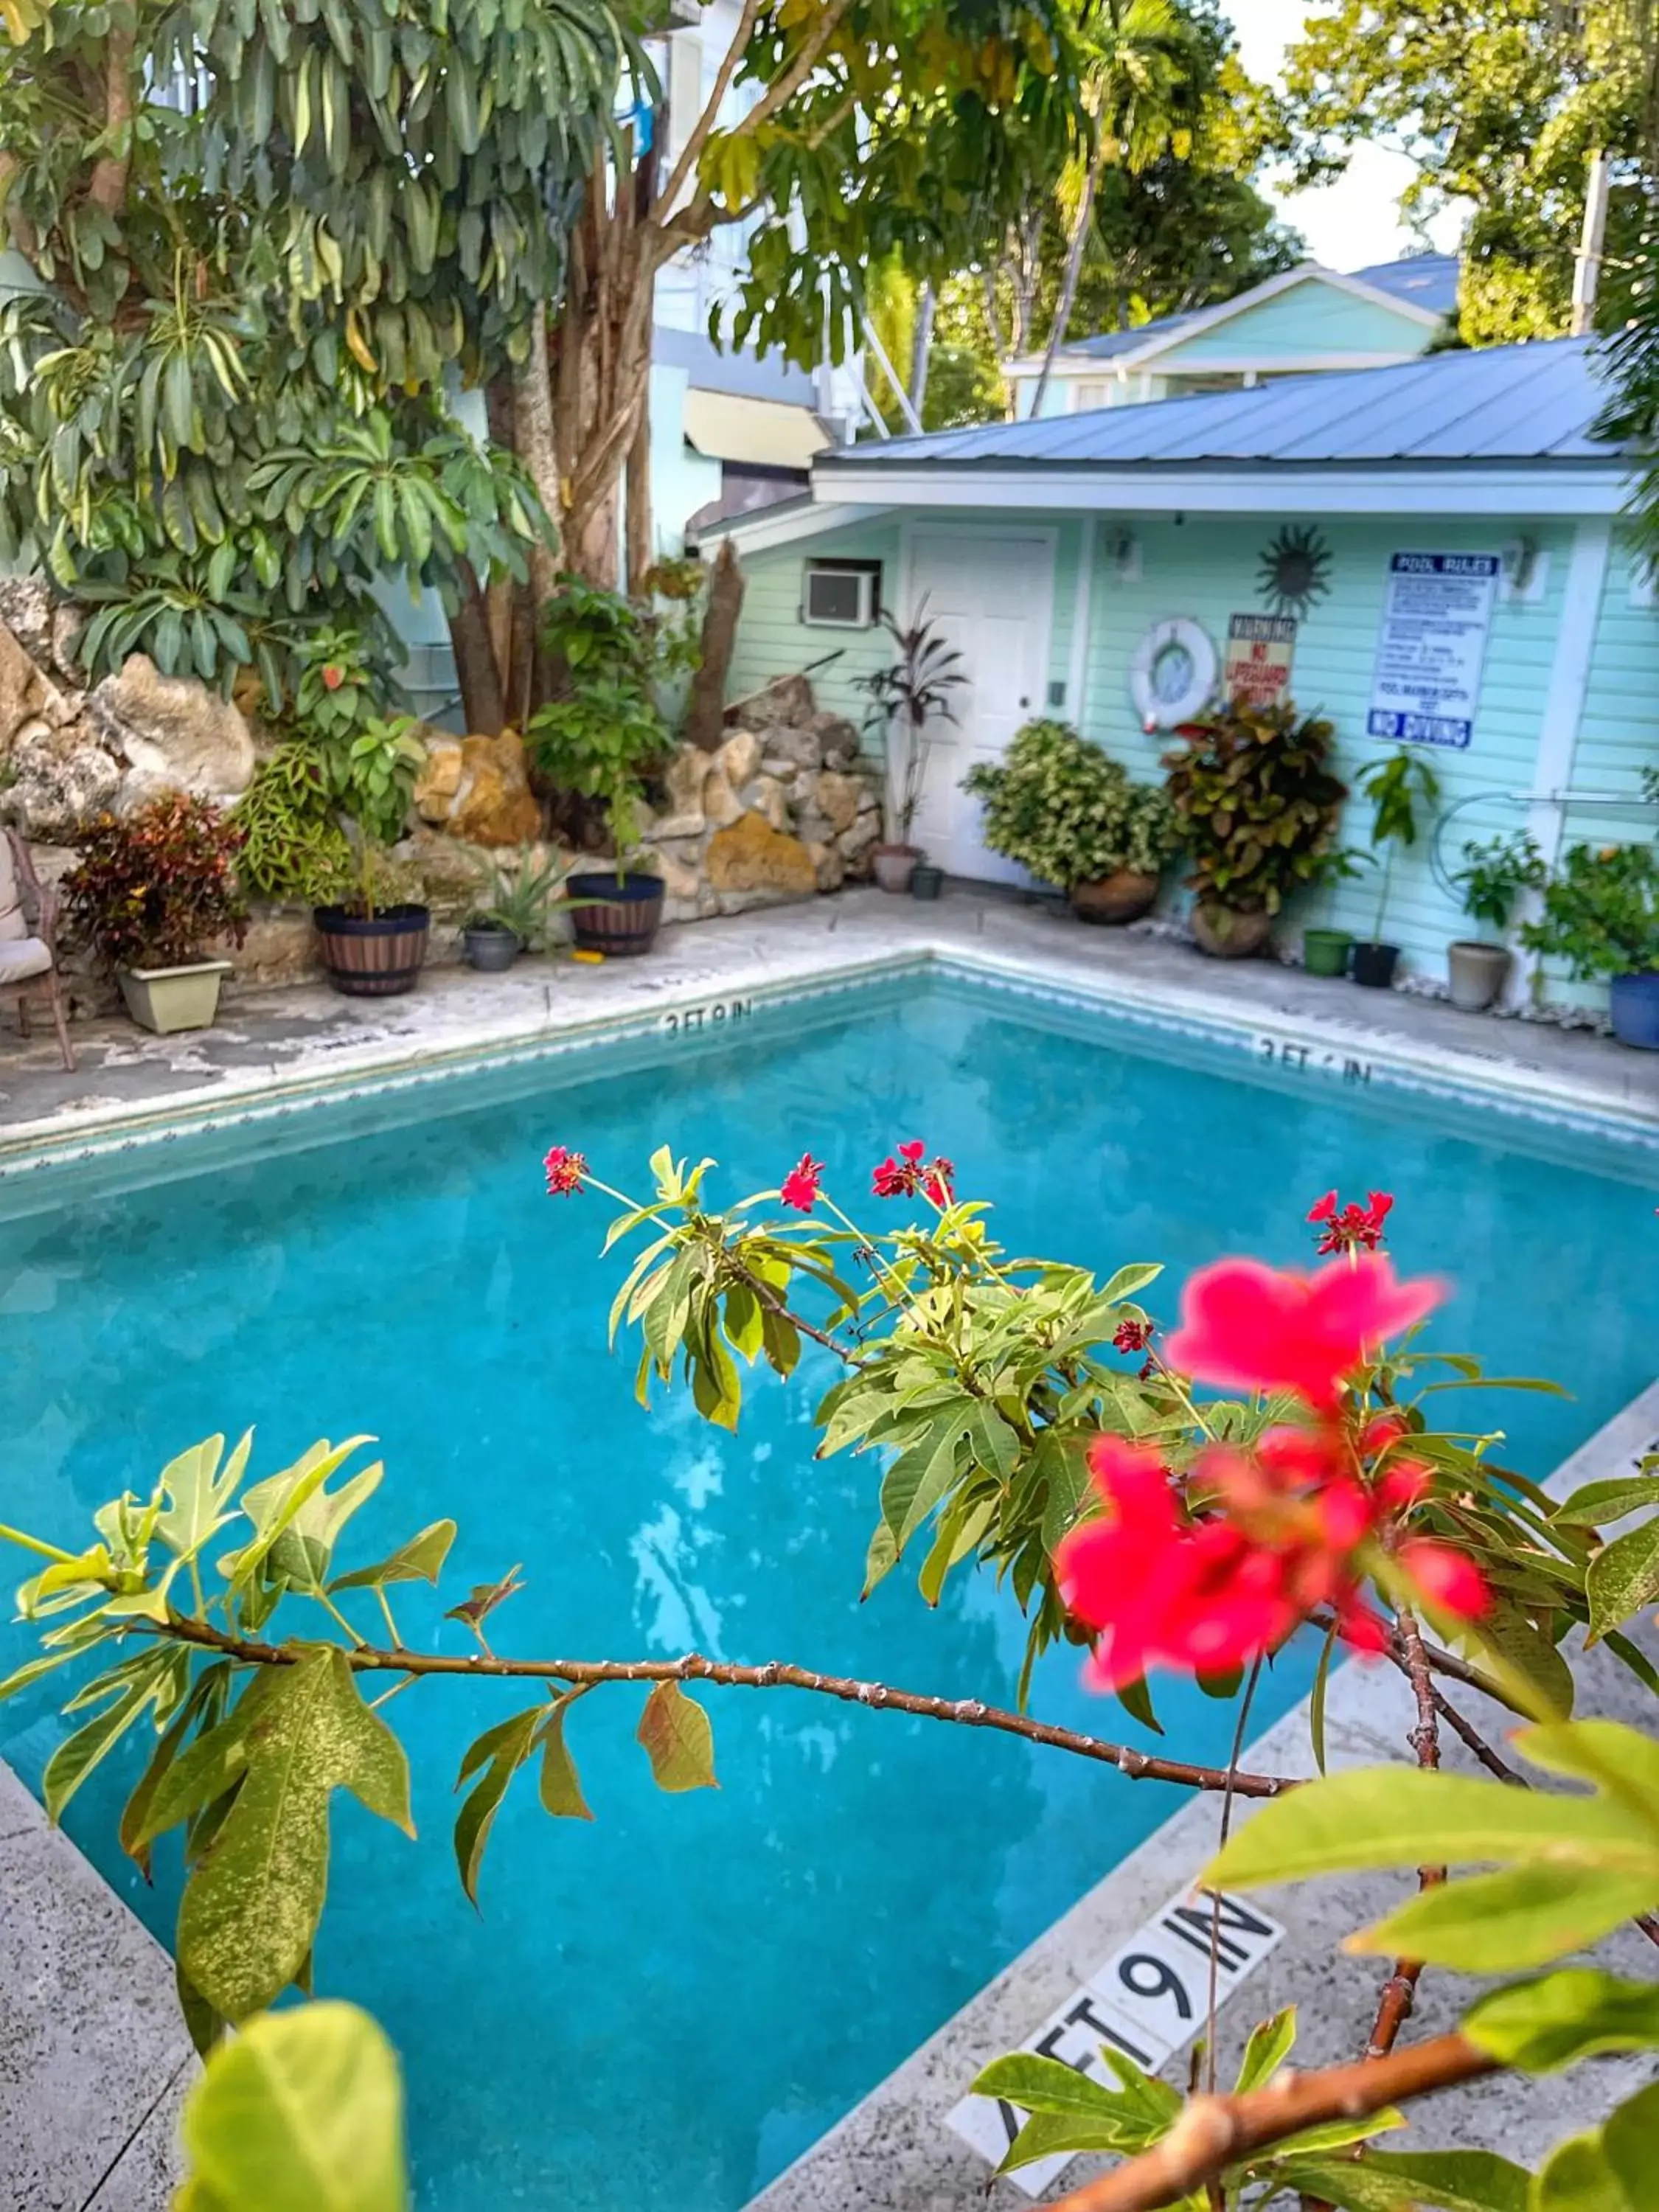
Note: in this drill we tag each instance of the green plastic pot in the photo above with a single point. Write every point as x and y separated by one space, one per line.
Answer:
1325 952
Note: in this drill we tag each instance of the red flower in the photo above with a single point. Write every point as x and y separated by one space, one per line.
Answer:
1251 1326
333 677
566 1172
1132 1336
1446 1577
904 1176
800 1185
1353 1228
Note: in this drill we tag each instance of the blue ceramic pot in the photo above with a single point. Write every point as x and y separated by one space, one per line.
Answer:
1634 1004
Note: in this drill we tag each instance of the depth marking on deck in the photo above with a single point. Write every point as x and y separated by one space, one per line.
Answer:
1148 2000
1303 1056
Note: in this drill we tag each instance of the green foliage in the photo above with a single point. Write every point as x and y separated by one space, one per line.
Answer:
1064 809
1256 805
1396 785
604 731
915 686
1609 2170
678 1740
1494 875
302 2112
524 899
1580 2013
293 845
157 888
1601 912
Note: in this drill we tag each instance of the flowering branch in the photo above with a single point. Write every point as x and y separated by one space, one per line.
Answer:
1214 2133
774 1674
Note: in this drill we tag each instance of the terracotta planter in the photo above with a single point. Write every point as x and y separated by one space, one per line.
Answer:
1477 973
893 865
373 958
1225 935
1122 896
167 999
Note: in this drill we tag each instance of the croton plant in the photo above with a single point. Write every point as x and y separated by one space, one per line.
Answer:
1183 1499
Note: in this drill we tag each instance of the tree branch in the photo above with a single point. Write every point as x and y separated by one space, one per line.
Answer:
109 174
1399 1992
967 1712
1216 2132
691 152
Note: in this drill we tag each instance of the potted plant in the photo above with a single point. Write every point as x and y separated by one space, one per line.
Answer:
374 943
914 688
1257 807
600 740
153 894
1492 878
1065 810
1327 950
1394 785
515 920
1602 916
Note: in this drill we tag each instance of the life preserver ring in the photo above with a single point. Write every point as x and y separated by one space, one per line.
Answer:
1173 675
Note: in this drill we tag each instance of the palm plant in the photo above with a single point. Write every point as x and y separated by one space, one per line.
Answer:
1144 80
916 686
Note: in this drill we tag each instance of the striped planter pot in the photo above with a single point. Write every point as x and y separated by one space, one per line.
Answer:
372 959
625 917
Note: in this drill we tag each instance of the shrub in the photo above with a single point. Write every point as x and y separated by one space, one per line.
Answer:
1601 912
1064 809
294 848
1493 875
158 888
1255 804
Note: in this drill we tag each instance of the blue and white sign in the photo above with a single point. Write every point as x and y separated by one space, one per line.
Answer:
1433 645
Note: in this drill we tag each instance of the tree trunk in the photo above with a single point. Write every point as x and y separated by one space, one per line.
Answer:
536 445
1075 247
922 349
641 547
705 719
483 705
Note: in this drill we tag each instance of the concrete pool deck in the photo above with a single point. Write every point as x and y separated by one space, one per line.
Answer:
298 1043
93 2061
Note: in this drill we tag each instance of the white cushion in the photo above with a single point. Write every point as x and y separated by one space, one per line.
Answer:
22 958
12 924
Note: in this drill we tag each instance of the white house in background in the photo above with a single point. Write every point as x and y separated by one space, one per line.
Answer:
1309 317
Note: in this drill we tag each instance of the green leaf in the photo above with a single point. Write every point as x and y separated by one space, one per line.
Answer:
1623 1577
198 1493
1316 1697
1075 2112
1269 2046
678 1740
1048 2135
205 1704
918 1478
1543 2026
1598 1503
1507 1632
420 1560
561 1789
1608 2171
303 2109
993 1442
75 1758
1401 2181
252 1906
880 1560
1128 1282
504 1748
1136 1699
1526 1916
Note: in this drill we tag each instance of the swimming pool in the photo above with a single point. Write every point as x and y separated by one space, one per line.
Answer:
663 2008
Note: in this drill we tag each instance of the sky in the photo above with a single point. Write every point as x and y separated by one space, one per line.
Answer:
1355 221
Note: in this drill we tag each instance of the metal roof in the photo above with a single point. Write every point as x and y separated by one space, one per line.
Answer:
1520 402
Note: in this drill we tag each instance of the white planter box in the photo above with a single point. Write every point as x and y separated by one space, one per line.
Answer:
168 999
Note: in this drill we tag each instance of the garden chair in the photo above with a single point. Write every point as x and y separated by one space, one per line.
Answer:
28 963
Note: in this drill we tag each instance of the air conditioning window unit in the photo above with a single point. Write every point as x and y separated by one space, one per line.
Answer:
842 594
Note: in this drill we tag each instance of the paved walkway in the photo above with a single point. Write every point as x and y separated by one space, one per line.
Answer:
270 1042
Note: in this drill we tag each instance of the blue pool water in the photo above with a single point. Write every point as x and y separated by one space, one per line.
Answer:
665 2007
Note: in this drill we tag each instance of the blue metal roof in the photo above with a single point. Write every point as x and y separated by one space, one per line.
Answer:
1423 279
1518 403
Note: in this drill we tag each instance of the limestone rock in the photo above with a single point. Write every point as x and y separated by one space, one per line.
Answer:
478 789
788 701
739 758
26 692
764 796
26 607
683 779
837 797
666 827
62 780
752 855
857 840
455 879
678 865
281 947
721 803
814 829
838 740
67 624
830 867
799 748
174 729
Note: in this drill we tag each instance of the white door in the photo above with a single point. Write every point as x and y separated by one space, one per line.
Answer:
991 598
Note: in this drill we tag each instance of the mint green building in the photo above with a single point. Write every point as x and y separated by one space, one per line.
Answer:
1445 537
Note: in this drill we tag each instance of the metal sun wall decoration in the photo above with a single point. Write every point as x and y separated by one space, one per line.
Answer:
1294 570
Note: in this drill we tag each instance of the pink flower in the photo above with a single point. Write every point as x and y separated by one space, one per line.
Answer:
1446 1577
333 677
1354 1228
1247 1326
1132 1336
566 1172
904 1176
800 1185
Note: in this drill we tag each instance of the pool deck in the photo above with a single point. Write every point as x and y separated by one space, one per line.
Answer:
300 1043
94 2062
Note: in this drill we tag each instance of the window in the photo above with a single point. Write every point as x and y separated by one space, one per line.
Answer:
842 594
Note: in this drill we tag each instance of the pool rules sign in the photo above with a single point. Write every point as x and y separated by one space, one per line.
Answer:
1432 647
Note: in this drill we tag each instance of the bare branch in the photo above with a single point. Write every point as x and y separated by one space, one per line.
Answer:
1216 2132
731 62
1399 1993
966 1712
